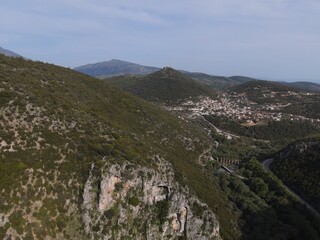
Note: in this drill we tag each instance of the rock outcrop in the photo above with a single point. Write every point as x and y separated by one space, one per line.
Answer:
122 200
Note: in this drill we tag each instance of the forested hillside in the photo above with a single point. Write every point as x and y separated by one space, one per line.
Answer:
273 130
81 159
166 86
298 165
64 138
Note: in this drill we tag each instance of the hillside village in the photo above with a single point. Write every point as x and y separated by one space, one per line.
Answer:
237 106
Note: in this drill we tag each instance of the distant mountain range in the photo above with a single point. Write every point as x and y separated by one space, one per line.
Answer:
116 67
8 53
307 86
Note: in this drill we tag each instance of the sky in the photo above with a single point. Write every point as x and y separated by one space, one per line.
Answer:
268 39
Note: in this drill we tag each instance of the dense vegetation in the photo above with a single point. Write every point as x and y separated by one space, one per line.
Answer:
268 210
215 82
258 91
308 106
165 86
274 130
56 122
306 86
243 148
298 165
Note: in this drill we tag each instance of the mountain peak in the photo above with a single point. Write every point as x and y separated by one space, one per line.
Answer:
169 72
115 67
8 53
169 69
167 86
118 61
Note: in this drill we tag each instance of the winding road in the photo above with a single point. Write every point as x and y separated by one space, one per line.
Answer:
266 164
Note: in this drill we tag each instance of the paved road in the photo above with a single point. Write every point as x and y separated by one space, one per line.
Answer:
266 164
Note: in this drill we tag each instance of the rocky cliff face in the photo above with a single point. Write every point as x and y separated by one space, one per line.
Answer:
131 201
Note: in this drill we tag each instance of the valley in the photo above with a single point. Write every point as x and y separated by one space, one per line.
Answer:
167 158
266 164
160 120
247 124
65 138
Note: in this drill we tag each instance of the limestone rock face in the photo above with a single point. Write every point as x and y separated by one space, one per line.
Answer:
106 200
123 200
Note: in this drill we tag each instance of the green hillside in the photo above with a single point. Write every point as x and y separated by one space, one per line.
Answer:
215 82
166 86
59 132
259 91
243 79
80 159
306 86
298 165
274 130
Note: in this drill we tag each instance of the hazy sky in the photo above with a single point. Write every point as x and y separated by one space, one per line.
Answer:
272 39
